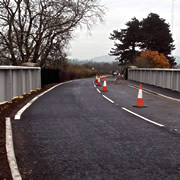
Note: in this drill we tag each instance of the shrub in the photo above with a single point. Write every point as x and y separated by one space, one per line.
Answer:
152 59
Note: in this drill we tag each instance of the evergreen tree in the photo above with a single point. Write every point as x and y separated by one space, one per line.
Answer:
156 36
126 50
152 33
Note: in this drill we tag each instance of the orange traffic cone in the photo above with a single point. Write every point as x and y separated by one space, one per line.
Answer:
99 81
101 77
104 85
96 78
140 98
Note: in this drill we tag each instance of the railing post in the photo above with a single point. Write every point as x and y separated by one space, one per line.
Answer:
8 85
3 85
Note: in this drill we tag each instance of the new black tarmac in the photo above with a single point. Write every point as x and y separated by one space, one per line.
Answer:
73 132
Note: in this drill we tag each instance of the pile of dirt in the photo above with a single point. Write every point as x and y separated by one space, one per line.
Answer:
9 110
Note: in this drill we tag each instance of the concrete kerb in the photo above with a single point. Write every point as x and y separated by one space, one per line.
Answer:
10 151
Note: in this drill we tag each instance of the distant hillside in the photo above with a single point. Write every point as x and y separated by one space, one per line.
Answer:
110 59
99 59
77 61
106 58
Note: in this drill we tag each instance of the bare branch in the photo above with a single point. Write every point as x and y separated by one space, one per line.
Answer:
32 29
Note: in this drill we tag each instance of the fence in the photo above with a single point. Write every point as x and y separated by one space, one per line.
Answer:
165 78
17 80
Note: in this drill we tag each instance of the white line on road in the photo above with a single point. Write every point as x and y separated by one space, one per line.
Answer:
133 87
142 90
98 90
10 151
108 99
19 113
94 85
155 93
146 119
174 99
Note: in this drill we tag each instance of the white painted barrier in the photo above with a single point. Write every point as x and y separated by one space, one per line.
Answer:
17 80
165 78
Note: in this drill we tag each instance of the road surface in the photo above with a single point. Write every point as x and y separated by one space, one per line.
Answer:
74 132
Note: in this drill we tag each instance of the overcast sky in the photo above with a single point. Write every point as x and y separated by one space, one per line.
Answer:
86 46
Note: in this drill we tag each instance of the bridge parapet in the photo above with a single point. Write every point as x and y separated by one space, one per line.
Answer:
165 78
17 80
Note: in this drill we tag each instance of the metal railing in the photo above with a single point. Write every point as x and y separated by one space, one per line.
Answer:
17 80
165 78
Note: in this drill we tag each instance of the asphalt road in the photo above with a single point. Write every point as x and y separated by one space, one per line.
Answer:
73 132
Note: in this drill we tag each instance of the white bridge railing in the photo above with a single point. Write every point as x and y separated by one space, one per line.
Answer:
165 78
17 80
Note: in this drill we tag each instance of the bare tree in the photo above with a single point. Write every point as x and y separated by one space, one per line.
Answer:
31 30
